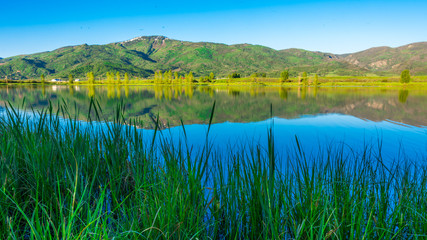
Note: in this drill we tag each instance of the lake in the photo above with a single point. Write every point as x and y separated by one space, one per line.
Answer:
346 161
390 121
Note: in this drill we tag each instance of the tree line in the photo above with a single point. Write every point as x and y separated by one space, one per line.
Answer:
169 77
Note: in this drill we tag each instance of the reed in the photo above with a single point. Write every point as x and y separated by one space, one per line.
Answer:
64 179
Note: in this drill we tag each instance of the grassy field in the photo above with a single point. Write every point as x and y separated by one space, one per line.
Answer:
62 179
391 81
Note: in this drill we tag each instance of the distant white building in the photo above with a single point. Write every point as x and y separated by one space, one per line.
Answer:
76 80
55 80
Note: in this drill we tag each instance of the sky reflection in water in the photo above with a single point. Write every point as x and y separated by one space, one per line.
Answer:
317 116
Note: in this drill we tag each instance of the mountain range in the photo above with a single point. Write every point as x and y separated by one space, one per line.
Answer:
142 56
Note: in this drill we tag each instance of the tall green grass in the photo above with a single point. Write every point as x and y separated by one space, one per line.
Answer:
63 179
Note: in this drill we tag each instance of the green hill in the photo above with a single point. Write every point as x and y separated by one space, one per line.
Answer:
385 59
142 56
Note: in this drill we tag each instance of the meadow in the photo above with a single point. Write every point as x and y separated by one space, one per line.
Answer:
329 80
61 178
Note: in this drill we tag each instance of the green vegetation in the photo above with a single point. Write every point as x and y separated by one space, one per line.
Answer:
234 75
211 76
91 78
403 95
158 76
187 102
126 78
304 78
316 80
110 77
170 78
42 79
70 79
284 76
73 182
176 77
143 56
405 76
190 77
118 78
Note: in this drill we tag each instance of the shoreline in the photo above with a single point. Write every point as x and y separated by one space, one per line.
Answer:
356 81
233 84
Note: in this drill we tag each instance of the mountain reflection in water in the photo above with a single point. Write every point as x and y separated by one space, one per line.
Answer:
317 116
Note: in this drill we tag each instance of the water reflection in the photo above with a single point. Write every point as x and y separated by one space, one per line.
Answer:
71 90
394 141
403 95
91 91
192 104
283 93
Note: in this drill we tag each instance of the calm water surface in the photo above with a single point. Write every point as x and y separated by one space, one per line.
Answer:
393 120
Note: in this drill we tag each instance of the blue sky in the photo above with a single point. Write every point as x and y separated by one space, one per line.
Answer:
328 26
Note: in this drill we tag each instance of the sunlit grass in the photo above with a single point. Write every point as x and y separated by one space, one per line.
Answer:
63 179
386 81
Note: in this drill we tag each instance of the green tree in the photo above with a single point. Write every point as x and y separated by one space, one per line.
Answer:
304 78
126 78
176 76
190 77
234 75
284 76
156 77
160 76
211 76
405 76
165 77
42 79
170 77
118 77
110 77
254 77
70 79
91 78
205 79
316 80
